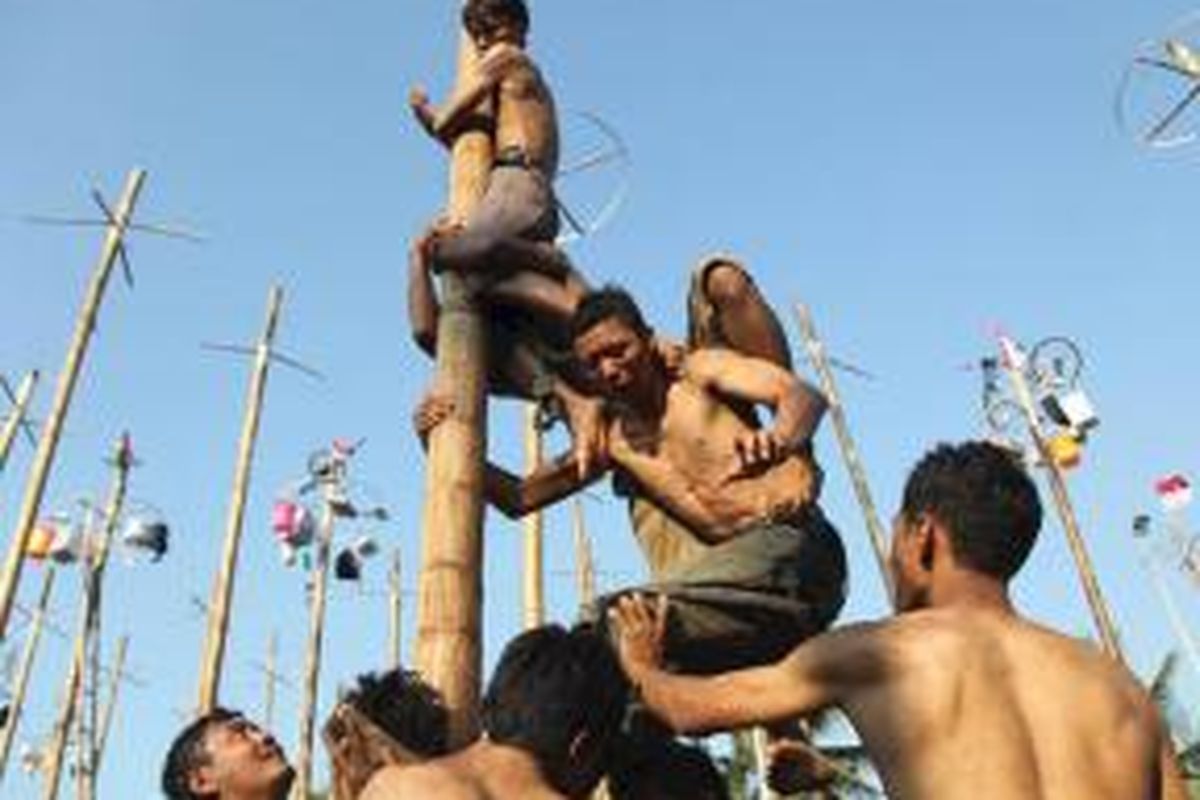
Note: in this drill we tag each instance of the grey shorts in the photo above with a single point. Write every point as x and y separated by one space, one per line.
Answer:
519 202
750 600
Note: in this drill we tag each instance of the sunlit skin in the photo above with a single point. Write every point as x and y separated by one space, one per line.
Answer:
244 762
957 696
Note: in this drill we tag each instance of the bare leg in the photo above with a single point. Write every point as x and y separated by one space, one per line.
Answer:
745 322
554 299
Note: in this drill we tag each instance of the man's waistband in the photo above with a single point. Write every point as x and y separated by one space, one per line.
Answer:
513 157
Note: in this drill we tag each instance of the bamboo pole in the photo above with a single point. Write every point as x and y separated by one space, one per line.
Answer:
858 475
21 683
116 675
533 609
43 458
450 599
213 654
394 609
585 569
95 560
8 433
1011 358
269 688
312 659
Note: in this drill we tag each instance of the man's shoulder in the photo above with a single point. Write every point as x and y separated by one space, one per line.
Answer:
432 778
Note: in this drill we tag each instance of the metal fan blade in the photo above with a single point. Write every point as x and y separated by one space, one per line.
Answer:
1172 115
593 160
38 219
126 270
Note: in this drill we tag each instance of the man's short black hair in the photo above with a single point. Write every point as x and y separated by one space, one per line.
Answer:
665 769
483 16
187 753
404 707
609 302
985 499
550 685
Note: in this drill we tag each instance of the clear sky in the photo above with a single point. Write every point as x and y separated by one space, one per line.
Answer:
915 171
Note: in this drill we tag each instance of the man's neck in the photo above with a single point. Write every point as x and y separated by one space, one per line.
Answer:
504 765
965 589
648 399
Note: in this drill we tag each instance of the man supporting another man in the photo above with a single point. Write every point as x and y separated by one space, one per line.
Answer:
958 695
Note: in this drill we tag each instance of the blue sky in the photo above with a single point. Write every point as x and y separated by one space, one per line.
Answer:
914 171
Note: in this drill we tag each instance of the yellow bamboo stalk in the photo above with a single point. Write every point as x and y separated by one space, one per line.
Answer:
43 459
450 599
312 659
8 432
217 631
841 426
21 683
94 562
533 609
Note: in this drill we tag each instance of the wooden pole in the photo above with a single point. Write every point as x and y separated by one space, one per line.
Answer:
43 458
312 659
394 609
532 584
269 689
21 683
585 570
450 599
858 475
213 654
116 675
8 433
1010 359
95 560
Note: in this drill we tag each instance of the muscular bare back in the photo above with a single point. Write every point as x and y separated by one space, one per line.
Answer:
990 707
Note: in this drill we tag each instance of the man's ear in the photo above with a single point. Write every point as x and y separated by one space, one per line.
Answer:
202 781
925 533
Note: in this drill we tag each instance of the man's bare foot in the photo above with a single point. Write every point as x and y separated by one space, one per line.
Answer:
433 410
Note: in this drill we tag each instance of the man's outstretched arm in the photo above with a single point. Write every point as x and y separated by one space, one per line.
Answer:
513 496
824 671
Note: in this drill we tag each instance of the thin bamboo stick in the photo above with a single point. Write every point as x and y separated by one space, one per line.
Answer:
116 675
394 609
312 659
532 584
8 733
8 433
269 687
585 569
94 562
1062 503
858 475
219 608
450 599
43 459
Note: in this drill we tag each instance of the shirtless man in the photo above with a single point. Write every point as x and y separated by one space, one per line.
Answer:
550 719
224 756
768 570
958 696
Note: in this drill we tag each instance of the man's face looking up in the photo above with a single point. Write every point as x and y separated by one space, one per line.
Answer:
242 760
615 356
